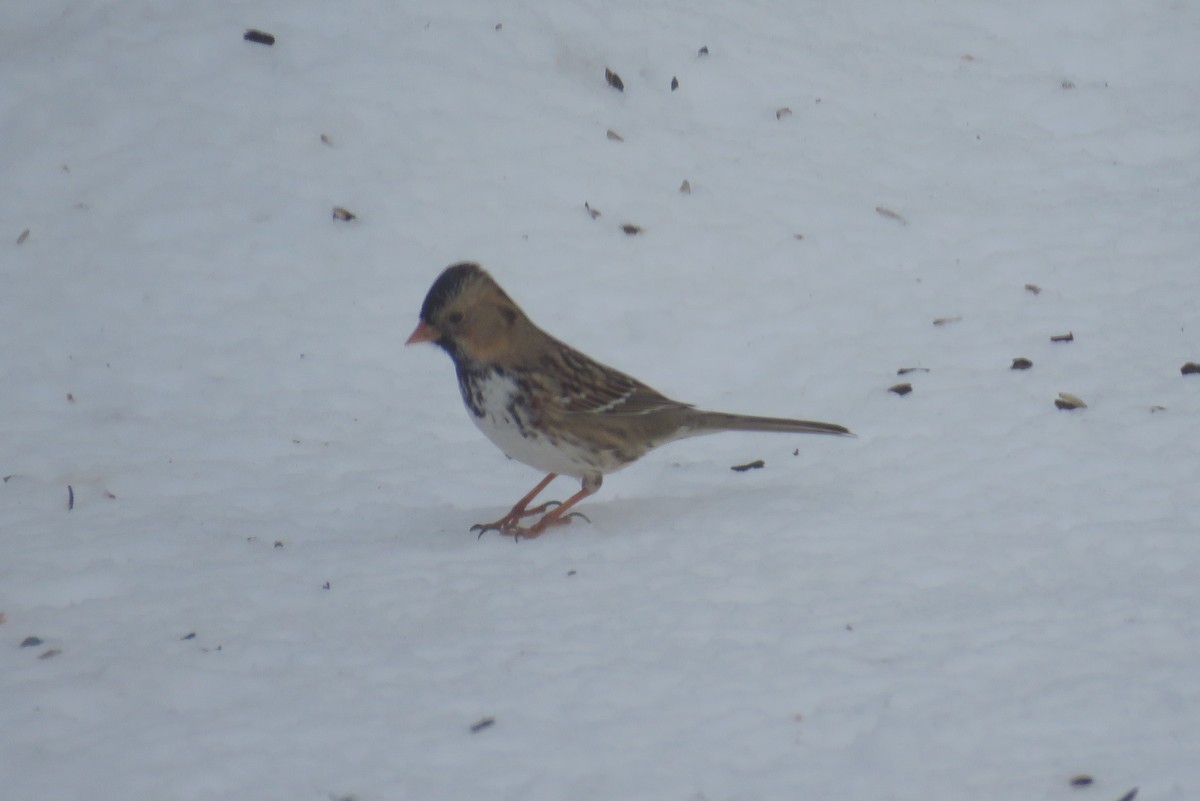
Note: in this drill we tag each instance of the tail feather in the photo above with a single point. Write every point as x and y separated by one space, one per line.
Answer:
720 421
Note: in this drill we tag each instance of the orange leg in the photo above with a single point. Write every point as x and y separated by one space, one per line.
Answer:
508 525
558 517
510 520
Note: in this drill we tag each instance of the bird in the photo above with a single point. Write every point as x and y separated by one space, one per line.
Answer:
546 404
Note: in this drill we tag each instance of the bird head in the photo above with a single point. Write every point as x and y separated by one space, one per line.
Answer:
467 314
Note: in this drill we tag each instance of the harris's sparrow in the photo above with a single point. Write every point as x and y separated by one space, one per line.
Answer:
546 404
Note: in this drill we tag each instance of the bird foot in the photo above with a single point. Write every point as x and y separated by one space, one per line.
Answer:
508 526
511 520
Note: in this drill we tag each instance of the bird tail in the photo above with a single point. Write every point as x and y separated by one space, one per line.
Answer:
706 422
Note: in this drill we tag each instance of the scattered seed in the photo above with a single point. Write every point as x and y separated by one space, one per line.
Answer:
686 187
631 230
613 135
109 495
325 140
674 83
191 635
757 464
1067 337
614 80
499 26
70 497
1132 794
31 642
50 654
482 724
258 37
1034 288
24 235
703 51
783 112
901 389
594 212
571 572
1021 363
907 370
797 236
946 320
70 398
340 213
1157 408
891 215
1068 84
1189 368
278 543
326 586
1068 401
1082 780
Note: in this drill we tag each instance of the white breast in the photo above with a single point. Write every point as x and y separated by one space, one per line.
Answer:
507 424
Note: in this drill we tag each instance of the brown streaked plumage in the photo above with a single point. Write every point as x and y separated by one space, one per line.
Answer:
546 404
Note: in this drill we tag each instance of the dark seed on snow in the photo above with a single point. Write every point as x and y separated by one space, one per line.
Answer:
258 37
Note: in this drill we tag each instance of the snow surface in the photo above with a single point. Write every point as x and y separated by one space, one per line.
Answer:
981 597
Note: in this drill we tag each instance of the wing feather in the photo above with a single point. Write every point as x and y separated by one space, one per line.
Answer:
585 386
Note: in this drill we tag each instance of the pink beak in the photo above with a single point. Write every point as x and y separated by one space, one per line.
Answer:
422 333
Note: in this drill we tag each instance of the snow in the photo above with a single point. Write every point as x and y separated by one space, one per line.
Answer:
980 597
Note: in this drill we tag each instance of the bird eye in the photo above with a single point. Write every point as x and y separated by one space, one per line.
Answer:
454 317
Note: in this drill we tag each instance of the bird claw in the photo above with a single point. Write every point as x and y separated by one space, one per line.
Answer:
540 509
483 528
507 526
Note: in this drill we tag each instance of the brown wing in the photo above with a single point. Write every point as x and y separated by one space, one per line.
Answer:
584 385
